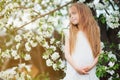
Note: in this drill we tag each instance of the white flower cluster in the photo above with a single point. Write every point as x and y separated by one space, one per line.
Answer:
47 30
102 45
52 57
18 38
9 6
111 55
113 19
54 61
119 46
8 74
55 56
6 54
30 40
100 6
14 54
111 71
91 5
15 74
97 5
82 1
27 57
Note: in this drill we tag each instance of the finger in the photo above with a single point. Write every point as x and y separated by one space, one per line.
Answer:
84 72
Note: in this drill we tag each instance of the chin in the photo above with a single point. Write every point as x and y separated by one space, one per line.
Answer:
75 24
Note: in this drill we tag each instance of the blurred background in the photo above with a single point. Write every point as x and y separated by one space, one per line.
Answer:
32 38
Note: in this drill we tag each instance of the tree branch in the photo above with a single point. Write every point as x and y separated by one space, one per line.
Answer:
39 16
106 11
111 5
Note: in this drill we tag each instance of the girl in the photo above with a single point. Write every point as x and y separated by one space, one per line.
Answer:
82 44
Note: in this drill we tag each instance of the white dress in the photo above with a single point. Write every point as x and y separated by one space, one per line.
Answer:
82 55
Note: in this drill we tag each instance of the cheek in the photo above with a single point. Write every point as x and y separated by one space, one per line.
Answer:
78 18
70 19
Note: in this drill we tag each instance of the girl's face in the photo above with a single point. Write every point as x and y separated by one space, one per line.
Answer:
73 15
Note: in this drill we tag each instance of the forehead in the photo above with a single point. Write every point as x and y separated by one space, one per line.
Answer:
72 9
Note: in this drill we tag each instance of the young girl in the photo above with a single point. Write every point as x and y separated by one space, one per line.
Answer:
82 44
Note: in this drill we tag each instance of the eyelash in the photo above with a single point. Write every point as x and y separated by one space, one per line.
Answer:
72 13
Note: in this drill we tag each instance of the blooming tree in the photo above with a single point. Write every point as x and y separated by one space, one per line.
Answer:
27 24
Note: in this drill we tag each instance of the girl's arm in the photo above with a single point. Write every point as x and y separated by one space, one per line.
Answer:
88 68
95 61
69 58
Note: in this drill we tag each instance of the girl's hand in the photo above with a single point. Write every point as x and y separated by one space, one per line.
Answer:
88 68
81 71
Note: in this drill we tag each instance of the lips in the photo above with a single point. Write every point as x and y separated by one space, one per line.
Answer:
74 20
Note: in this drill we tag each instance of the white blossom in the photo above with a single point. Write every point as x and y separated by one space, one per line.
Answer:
91 5
65 22
44 27
6 54
14 54
119 34
63 48
46 45
27 57
57 43
52 40
8 74
111 64
17 22
26 16
20 66
10 21
111 55
39 38
53 48
119 46
28 67
55 67
113 20
82 1
116 13
21 77
111 78
2 31
27 46
33 44
55 56
18 38
37 7
45 56
111 72
44 3
49 62
100 6
29 34
46 34
18 45
57 2
102 45
62 64
63 11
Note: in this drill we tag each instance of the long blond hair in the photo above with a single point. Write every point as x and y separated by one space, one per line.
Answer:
88 25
